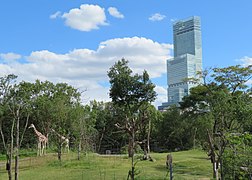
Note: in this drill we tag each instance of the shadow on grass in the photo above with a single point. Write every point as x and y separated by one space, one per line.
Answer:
185 169
161 168
201 158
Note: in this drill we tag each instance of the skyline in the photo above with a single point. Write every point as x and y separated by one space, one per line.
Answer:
78 41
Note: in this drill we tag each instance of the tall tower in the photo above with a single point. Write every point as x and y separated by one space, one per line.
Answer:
187 59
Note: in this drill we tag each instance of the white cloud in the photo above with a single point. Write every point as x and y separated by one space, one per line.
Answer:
87 69
115 13
162 95
246 61
173 20
55 15
11 57
85 18
157 17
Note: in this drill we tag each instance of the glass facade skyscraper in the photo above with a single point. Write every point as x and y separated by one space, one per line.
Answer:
187 59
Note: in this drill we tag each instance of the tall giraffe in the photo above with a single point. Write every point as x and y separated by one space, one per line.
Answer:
42 141
64 141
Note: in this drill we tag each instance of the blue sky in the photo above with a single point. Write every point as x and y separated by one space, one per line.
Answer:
77 41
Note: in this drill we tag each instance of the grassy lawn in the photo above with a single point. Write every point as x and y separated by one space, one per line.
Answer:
187 165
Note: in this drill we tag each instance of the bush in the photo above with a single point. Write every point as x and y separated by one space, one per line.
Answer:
138 149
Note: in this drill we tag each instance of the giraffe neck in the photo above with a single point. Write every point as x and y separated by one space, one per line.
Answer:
37 132
62 137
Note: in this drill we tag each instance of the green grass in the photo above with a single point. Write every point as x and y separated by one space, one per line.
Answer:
187 165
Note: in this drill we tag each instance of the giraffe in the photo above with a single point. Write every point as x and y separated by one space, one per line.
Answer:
64 141
42 141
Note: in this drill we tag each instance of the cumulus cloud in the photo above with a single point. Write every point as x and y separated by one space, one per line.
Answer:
85 18
87 69
55 15
162 95
10 57
246 61
173 20
157 17
115 13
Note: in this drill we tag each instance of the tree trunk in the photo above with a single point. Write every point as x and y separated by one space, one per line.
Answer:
148 137
130 147
16 166
212 155
59 151
17 148
79 150
8 165
194 138
100 140
132 157
10 151
215 175
216 171
145 156
7 150
221 169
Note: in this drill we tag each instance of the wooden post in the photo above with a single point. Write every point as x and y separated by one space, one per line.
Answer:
169 164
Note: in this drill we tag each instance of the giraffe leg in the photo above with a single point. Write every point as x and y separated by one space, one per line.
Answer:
44 148
67 148
41 149
38 151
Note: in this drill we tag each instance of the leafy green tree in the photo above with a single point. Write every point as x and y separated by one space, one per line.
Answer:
105 127
227 103
173 131
64 98
16 103
20 106
6 84
53 109
148 114
237 157
130 92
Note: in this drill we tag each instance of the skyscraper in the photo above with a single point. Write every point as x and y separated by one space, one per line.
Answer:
187 59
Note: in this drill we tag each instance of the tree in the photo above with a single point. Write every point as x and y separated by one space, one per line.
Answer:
20 106
104 125
148 115
16 103
226 101
237 157
65 98
173 130
54 105
83 129
130 92
6 83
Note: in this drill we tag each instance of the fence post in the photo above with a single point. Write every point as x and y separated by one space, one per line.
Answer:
169 158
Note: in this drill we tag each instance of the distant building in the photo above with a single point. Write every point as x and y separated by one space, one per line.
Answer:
187 59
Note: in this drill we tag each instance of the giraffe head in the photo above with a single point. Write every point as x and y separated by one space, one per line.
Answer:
31 126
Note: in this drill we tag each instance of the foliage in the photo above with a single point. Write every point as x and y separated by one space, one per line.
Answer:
108 137
170 130
127 90
129 93
237 158
226 101
137 149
